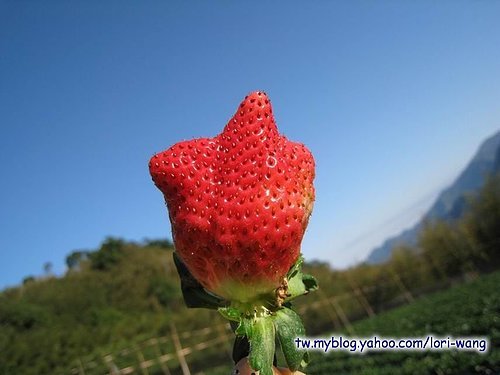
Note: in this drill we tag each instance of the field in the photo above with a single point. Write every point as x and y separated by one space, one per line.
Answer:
471 309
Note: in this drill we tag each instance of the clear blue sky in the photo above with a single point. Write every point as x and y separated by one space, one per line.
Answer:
393 98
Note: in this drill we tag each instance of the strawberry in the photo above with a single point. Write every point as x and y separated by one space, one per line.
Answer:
239 203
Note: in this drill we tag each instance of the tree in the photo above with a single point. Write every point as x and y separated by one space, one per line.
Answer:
47 268
74 259
108 255
482 222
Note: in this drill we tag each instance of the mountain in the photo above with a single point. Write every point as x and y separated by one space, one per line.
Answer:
452 201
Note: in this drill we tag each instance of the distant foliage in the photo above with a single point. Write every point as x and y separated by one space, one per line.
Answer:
164 291
22 315
162 244
74 259
108 255
28 279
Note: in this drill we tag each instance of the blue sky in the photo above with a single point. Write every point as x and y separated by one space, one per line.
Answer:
393 98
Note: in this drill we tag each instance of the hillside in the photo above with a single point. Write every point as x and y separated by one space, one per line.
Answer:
119 294
451 203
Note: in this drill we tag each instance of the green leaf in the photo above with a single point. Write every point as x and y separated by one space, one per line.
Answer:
262 345
193 292
288 327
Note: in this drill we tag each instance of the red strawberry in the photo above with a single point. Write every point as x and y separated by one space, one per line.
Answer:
239 203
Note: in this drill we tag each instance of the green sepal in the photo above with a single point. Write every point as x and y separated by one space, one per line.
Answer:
288 327
194 294
310 282
230 313
305 360
262 345
297 266
299 284
245 328
241 347
296 287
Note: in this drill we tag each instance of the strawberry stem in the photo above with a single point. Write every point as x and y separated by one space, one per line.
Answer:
257 323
